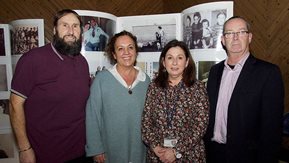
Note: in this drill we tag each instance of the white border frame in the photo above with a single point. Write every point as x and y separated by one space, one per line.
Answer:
96 58
6 60
27 22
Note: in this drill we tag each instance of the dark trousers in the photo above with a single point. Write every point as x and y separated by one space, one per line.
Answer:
216 153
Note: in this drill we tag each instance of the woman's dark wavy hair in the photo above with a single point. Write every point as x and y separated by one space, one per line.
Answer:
189 75
110 49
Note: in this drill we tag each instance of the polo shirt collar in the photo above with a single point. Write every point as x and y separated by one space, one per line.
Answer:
56 52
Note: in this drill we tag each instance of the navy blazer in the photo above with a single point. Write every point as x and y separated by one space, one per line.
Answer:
254 124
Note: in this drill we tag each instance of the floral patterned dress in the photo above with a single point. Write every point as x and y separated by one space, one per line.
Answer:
177 111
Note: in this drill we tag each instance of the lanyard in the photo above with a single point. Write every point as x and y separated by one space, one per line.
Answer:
171 109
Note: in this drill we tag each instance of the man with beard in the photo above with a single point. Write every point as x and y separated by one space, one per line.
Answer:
48 97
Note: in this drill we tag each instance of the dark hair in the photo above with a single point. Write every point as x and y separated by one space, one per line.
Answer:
188 17
189 75
205 20
237 17
110 49
197 14
221 13
64 12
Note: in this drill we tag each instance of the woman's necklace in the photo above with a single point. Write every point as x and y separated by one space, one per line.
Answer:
129 80
129 89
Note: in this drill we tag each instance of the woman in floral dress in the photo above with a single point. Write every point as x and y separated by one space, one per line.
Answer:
176 110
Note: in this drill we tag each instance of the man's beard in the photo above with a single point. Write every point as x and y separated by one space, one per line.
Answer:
64 48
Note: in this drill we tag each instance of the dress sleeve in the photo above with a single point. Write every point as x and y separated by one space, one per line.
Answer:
94 121
148 128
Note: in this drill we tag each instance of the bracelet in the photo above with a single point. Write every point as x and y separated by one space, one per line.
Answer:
25 149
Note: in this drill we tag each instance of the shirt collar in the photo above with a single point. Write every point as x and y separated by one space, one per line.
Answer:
141 76
56 52
240 63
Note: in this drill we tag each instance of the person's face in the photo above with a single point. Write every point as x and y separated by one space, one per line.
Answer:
86 27
125 51
93 23
237 44
205 24
68 28
175 63
221 19
196 19
188 22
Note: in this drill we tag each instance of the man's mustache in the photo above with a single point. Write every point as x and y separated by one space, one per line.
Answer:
70 35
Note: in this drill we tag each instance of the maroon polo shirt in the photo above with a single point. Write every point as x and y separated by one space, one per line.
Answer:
56 88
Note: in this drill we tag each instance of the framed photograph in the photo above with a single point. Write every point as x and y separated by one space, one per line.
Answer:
2 42
5 61
26 34
5 43
4 106
153 32
96 32
5 80
150 68
98 28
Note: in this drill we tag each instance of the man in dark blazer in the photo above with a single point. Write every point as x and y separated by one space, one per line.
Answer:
246 98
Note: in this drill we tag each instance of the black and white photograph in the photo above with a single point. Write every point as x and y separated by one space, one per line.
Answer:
153 38
3 79
25 38
218 19
150 68
203 29
203 68
2 42
153 32
4 106
5 50
27 34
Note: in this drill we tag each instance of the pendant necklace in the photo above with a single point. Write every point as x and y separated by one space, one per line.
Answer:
130 86
129 89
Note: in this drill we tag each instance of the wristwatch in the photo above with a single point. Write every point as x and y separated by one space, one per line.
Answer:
178 155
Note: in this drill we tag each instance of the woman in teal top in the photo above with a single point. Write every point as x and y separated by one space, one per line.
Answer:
115 105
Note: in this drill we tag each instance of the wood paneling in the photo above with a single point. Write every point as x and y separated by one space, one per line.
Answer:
269 20
45 9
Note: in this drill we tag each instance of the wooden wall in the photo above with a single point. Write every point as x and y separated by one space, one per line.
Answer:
269 20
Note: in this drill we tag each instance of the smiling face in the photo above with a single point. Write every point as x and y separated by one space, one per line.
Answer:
68 28
221 18
67 35
205 24
125 51
175 63
237 45
196 19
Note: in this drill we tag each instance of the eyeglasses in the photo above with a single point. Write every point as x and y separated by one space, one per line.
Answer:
232 34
